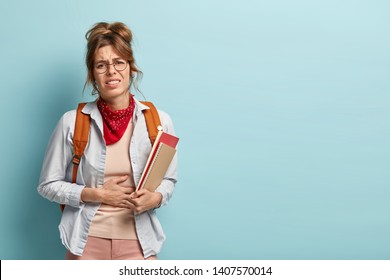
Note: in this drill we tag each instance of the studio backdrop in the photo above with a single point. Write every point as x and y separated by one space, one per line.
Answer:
282 108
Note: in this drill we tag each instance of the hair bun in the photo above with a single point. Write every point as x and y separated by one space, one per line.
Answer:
110 29
122 30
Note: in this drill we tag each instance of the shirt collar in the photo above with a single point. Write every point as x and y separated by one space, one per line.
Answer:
139 107
91 109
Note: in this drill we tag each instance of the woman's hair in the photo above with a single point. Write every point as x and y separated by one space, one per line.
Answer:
119 36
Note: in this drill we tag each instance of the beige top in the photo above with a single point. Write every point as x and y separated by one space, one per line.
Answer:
113 222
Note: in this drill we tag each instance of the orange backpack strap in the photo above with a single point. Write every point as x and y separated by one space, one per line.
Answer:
80 140
152 120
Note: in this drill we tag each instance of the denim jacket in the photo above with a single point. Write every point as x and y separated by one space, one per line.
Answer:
56 174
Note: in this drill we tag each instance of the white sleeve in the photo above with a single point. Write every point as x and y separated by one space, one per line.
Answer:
168 183
59 154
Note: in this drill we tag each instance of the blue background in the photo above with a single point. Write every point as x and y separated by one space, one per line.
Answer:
282 107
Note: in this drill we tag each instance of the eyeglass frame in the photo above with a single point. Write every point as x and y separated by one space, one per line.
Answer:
115 62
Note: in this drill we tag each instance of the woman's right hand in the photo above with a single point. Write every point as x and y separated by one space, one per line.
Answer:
114 194
110 193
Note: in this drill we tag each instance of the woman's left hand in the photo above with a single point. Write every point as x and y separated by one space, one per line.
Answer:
143 200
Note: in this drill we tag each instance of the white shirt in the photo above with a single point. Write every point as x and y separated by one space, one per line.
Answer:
56 175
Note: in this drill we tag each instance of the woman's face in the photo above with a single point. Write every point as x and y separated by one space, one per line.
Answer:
111 83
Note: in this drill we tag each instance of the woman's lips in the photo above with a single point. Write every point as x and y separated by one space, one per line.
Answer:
112 83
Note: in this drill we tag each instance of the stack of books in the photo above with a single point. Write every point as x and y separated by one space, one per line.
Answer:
163 151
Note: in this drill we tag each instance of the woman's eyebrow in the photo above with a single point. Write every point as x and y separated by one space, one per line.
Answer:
106 60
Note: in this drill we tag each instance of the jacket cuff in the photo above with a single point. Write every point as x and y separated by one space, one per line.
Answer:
75 196
166 189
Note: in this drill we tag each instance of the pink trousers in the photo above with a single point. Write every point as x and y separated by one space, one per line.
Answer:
110 249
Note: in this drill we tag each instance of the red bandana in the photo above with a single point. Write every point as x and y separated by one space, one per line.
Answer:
115 122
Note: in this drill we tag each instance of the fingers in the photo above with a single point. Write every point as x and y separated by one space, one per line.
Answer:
127 204
128 190
126 201
134 195
135 201
130 204
120 179
138 193
136 206
144 200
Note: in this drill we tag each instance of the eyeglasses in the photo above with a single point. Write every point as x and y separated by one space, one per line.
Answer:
119 65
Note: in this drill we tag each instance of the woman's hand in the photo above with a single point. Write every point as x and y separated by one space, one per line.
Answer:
110 193
143 200
115 195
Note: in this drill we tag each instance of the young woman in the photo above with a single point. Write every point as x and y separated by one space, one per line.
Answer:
104 218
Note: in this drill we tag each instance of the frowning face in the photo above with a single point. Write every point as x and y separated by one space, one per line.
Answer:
112 74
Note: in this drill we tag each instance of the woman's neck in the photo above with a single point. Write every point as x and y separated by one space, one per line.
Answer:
119 102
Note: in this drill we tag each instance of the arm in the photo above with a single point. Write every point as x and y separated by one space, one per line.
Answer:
167 185
110 193
52 182
144 200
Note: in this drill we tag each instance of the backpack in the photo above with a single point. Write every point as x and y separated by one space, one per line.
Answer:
82 127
